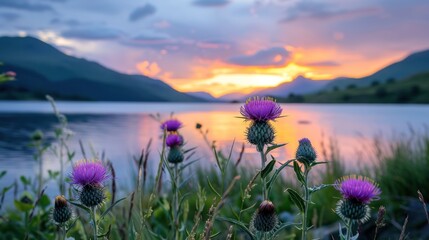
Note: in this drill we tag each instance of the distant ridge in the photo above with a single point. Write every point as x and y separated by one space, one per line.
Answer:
41 68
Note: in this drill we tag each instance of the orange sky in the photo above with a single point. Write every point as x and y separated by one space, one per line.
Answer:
221 78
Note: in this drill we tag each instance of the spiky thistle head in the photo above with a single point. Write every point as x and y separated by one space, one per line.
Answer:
174 140
62 212
171 125
265 217
261 109
305 152
357 192
358 189
89 173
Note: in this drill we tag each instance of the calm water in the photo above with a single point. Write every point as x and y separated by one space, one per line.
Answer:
122 129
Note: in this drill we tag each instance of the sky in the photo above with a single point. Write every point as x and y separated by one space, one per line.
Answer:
226 46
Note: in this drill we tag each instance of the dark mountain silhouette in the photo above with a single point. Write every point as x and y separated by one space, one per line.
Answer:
43 69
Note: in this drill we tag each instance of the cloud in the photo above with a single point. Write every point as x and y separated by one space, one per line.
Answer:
92 33
142 12
322 64
25 5
274 57
68 22
322 11
211 3
9 16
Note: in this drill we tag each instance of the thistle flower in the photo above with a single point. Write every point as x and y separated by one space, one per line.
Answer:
357 193
174 140
62 212
171 125
89 176
260 111
305 152
265 218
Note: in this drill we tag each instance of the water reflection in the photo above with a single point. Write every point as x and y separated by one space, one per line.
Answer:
121 130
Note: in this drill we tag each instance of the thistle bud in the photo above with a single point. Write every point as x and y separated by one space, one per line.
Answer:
62 212
92 195
175 155
260 134
265 218
305 152
352 210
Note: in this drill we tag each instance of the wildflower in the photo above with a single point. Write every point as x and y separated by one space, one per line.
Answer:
174 140
171 125
89 176
62 212
175 154
357 193
305 152
265 218
260 111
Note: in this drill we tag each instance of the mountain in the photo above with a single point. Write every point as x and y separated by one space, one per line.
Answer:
43 69
203 95
413 64
236 96
300 85
413 89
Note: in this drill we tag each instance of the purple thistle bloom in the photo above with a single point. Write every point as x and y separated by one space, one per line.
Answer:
358 189
261 109
89 173
174 140
171 125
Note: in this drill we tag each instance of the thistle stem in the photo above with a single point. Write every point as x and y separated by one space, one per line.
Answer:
306 200
62 233
264 187
176 202
349 229
94 222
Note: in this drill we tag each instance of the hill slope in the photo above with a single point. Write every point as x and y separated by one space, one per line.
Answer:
413 64
414 89
43 68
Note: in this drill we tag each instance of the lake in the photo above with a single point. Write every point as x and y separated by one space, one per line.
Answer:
121 130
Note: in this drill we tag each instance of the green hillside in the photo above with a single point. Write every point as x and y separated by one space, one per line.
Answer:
43 69
414 89
415 63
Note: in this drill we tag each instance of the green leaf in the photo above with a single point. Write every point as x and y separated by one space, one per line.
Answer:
238 224
44 201
25 181
268 168
297 199
111 207
212 188
2 173
214 235
23 207
275 146
317 163
276 174
298 172
80 206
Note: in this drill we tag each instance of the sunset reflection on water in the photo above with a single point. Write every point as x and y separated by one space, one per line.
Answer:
121 130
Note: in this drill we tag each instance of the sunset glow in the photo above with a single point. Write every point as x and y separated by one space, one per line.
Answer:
254 44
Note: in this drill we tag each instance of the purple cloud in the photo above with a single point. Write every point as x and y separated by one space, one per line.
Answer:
142 12
25 5
322 10
92 33
211 3
274 57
